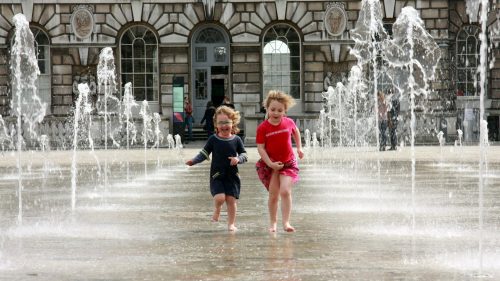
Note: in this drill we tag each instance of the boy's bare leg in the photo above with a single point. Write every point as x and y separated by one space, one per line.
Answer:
274 190
231 212
219 199
286 202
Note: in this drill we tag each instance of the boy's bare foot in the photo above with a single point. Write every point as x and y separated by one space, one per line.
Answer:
215 217
288 228
232 228
272 228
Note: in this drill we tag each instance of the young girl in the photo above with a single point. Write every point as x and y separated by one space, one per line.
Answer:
228 151
277 168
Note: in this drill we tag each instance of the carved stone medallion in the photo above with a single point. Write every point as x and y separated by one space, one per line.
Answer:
335 19
82 21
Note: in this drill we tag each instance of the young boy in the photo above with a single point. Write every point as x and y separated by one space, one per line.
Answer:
227 152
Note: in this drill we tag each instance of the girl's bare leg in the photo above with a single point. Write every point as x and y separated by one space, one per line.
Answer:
231 212
286 202
219 199
272 203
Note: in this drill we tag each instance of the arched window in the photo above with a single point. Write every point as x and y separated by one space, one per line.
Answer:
467 60
139 63
42 45
281 60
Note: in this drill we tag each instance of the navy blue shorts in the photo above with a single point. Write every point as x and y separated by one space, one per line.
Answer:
227 184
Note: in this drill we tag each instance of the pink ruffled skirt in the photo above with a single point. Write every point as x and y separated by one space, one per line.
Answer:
264 172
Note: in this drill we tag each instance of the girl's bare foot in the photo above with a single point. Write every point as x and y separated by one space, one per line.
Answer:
288 228
232 228
214 220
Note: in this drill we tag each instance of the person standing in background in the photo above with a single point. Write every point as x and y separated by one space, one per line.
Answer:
393 115
188 118
208 118
227 102
382 119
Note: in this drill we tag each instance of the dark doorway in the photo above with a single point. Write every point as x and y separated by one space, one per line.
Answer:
217 91
493 124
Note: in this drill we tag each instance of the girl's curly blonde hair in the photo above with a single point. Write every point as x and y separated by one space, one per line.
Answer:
280 97
232 114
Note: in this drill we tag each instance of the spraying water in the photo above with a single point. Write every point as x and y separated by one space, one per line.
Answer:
368 35
131 132
158 135
106 78
146 129
26 104
6 140
473 8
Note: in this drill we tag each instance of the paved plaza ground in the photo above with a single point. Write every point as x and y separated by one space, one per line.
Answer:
360 214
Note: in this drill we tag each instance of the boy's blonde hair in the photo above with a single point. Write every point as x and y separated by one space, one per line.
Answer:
280 97
232 114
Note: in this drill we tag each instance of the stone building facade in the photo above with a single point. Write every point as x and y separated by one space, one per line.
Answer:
209 49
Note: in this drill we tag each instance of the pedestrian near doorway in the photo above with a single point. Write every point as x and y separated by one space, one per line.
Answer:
188 118
208 118
382 119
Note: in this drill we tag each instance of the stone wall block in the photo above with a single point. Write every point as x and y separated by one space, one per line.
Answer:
239 78
62 69
313 87
313 66
112 22
253 77
246 88
246 67
257 21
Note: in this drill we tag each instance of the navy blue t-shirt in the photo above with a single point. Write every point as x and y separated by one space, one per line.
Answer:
221 149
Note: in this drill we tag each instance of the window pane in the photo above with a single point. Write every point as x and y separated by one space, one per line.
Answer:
139 49
41 66
149 65
295 78
139 94
127 78
150 38
219 54
294 49
150 51
295 92
295 63
149 93
139 66
149 80
127 65
201 54
126 51
138 81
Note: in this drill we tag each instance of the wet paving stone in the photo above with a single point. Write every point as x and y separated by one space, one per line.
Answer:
359 215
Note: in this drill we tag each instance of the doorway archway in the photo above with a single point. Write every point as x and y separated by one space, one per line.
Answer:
210 68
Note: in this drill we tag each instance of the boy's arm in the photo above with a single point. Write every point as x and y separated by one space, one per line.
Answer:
202 156
242 153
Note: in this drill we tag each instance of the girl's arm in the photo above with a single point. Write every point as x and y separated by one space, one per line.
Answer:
298 142
261 148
